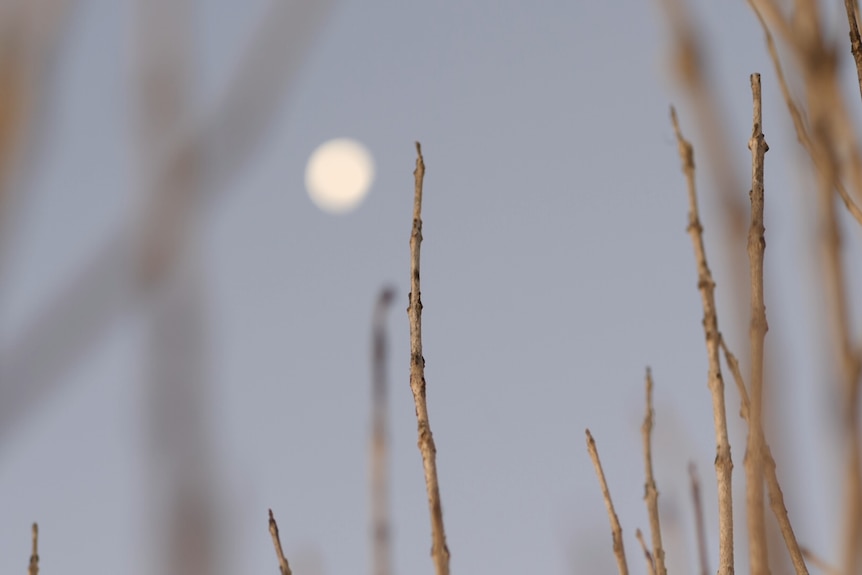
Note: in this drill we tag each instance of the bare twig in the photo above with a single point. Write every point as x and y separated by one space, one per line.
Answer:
706 286
819 562
650 563
616 528
852 7
379 441
439 550
650 489
34 554
776 496
283 566
758 558
698 520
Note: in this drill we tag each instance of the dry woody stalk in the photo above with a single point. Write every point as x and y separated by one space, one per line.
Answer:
647 555
33 569
439 550
616 528
706 286
703 558
283 565
650 489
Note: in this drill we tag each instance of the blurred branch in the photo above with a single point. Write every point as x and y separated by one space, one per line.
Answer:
706 286
33 569
650 489
439 550
616 528
651 570
283 565
700 529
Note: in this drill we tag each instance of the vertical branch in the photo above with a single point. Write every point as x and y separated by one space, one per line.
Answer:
698 520
706 286
758 558
283 566
34 554
439 550
852 7
379 441
650 489
616 528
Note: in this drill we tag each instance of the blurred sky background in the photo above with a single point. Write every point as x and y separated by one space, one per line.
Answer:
555 268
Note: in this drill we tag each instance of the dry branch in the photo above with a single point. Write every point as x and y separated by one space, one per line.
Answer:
439 550
34 554
706 286
758 558
650 563
852 7
276 541
616 528
650 489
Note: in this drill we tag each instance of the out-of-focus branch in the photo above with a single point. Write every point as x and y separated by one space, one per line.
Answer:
33 569
616 528
650 563
703 558
650 489
706 286
439 550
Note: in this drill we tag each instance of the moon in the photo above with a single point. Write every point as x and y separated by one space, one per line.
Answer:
339 174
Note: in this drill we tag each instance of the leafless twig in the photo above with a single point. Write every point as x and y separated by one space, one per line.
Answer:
616 528
647 555
439 550
706 286
650 489
283 566
34 554
698 520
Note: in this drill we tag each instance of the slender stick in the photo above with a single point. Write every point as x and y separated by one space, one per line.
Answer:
706 286
757 550
852 8
776 496
698 520
650 489
439 550
382 556
650 563
616 528
276 541
34 554
819 562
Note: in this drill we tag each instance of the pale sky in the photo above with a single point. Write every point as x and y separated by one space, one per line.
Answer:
556 267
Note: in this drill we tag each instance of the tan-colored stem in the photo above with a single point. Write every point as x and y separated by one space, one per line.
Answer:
616 528
852 8
755 507
283 565
650 563
706 286
439 550
650 489
34 553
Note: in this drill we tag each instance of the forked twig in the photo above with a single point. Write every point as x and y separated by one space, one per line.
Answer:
616 528
439 550
650 489
276 541
706 286
757 549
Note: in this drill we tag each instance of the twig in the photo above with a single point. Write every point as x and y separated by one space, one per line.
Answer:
439 550
776 496
758 557
855 40
379 440
698 520
706 286
650 490
616 528
818 562
282 560
34 554
650 563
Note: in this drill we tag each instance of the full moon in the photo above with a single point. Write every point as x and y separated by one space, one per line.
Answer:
338 175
